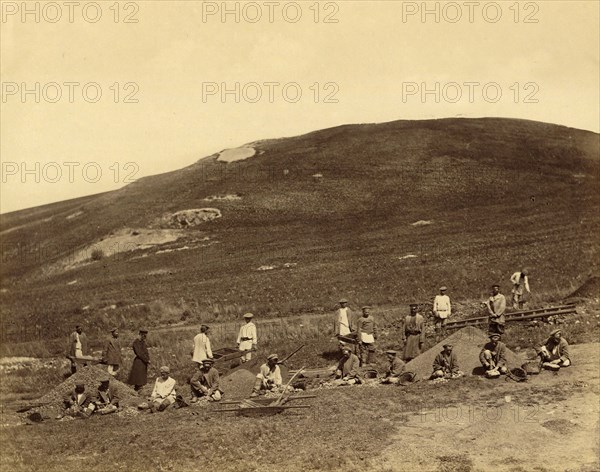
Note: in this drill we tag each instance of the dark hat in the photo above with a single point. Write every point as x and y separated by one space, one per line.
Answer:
204 328
366 307
105 379
80 384
414 305
143 331
494 335
114 329
346 349
447 345
208 361
495 285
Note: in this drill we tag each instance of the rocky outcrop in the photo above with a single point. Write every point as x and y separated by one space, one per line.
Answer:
194 217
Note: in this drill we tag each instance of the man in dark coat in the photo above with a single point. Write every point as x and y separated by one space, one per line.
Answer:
138 377
205 382
413 335
78 402
347 369
106 400
112 353
445 364
493 356
395 368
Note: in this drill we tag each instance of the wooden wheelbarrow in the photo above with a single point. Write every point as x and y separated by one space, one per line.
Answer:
262 406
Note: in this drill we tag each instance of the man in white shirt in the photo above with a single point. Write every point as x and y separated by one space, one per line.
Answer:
269 378
441 311
343 320
520 286
247 338
202 349
164 393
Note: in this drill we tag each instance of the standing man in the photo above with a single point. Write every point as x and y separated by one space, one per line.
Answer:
413 335
202 348
445 364
247 338
493 356
269 378
496 306
366 330
77 346
138 377
441 312
205 382
343 319
112 353
395 368
520 286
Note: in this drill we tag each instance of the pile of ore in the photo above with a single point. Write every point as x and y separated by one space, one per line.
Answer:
51 404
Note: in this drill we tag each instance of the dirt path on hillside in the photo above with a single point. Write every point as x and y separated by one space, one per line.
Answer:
551 423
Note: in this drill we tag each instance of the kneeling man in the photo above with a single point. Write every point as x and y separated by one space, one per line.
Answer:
445 364
395 368
205 382
493 356
555 351
269 377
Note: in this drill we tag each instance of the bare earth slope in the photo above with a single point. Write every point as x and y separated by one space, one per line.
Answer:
499 193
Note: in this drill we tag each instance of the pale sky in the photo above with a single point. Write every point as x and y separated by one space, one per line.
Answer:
372 65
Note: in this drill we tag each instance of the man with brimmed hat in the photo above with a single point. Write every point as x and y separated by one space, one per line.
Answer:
202 349
247 338
445 364
347 368
520 286
111 355
163 395
205 382
413 334
555 351
395 368
269 378
138 376
343 319
493 356
441 311
106 400
496 306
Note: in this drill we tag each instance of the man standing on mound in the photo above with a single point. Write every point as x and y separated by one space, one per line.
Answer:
413 335
496 306
343 319
493 357
555 351
366 330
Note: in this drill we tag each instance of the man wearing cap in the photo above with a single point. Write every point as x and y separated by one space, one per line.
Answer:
247 338
106 400
205 382
77 346
164 393
343 319
395 368
496 306
555 351
202 349
445 364
138 376
347 368
493 356
269 377
366 334
441 311
413 334
77 403
520 286
112 353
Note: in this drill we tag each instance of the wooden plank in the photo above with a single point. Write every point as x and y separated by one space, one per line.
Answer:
509 319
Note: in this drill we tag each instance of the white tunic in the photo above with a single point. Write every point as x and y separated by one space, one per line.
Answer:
344 325
164 389
441 306
247 336
202 349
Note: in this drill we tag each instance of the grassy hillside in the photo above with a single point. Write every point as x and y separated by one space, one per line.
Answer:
499 194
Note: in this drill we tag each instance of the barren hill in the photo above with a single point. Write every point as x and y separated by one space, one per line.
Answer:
313 217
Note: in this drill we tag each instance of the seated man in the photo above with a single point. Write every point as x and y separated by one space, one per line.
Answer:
205 382
395 368
347 369
555 351
164 393
78 403
493 357
106 400
445 364
269 377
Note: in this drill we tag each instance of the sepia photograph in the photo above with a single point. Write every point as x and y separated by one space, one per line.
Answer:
291 236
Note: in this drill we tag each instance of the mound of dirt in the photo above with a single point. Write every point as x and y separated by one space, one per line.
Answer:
590 289
52 402
238 384
191 218
467 344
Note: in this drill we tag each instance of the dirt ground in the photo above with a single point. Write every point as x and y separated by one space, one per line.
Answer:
471 424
